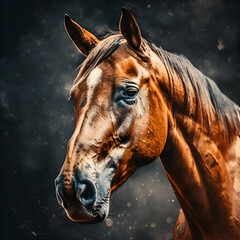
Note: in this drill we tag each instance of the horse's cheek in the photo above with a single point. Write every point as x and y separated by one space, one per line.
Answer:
162 132
158 128
146 140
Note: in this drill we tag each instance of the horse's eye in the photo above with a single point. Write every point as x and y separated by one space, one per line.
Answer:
131 92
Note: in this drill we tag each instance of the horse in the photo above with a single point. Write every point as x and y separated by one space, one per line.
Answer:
134 102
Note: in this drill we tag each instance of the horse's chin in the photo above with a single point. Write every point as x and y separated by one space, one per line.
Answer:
83 216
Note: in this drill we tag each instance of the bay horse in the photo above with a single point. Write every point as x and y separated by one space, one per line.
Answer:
135 102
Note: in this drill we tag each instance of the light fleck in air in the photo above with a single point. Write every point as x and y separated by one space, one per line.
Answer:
153 224
109 222
220 44
170 13
169 220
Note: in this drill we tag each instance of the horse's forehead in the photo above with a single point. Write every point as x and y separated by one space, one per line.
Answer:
120 64
127 66
94 78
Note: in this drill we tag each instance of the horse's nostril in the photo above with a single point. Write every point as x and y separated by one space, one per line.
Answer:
80 191
86 193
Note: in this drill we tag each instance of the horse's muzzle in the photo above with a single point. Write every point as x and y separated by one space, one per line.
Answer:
77 198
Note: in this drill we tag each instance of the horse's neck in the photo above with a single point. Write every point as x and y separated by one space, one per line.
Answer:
201 160
205 178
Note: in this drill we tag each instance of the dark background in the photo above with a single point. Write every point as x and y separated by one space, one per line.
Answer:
38 65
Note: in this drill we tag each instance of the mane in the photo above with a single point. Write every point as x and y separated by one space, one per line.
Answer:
209 98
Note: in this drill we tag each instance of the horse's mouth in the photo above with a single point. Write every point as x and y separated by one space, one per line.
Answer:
97 219
82 215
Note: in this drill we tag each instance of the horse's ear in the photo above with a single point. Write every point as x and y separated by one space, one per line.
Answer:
83 39
130 29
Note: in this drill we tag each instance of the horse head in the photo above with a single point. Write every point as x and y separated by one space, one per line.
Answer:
121 119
